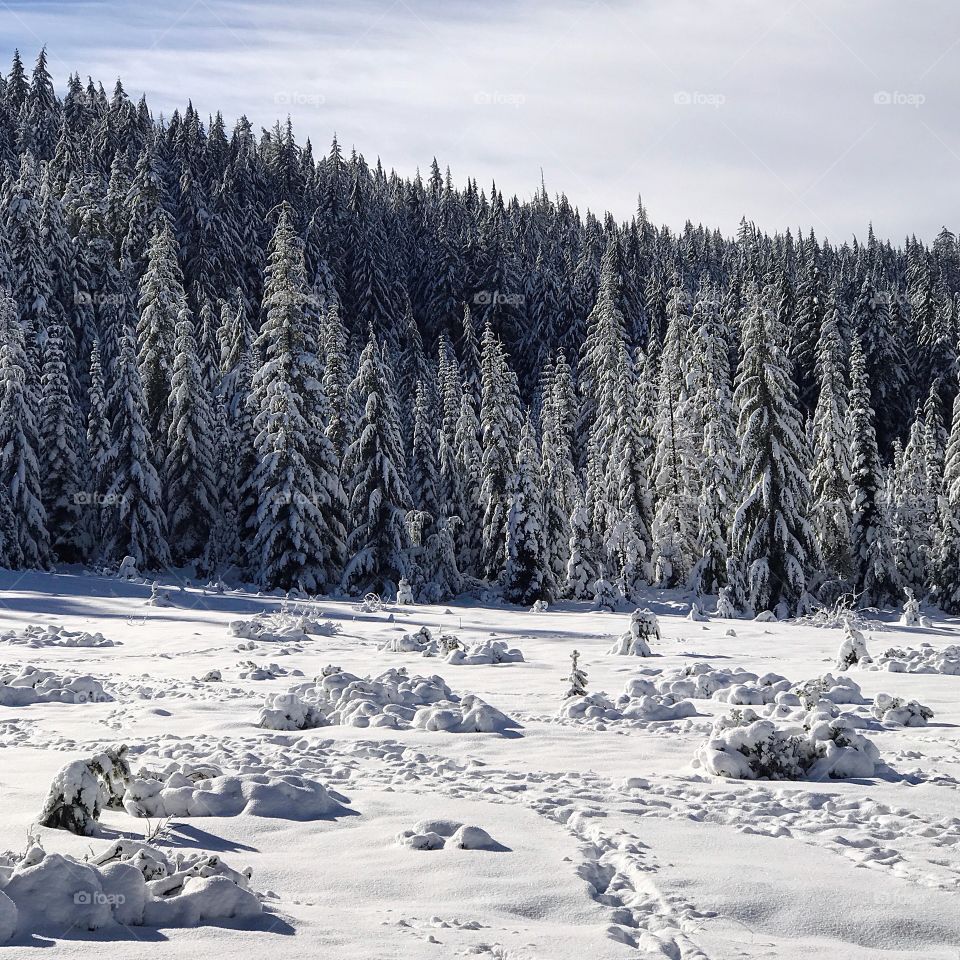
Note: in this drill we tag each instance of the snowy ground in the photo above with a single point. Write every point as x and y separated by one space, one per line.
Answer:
608 843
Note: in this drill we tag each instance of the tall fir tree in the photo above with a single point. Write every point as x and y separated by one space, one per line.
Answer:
376 547
875 572
771 539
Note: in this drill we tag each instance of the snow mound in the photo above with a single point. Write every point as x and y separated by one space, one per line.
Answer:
392 699
29 685
176 794
700 681
268 671
421 642
54 636
899 712
281 626
640 701
831 689
470 715
925 659
447 834
485 652
757 692
822 747
51 893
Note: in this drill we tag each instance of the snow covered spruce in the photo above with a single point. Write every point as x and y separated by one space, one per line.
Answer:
635 642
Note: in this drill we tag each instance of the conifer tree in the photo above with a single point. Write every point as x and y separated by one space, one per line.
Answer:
948 544
525 577
875 573
133 518
713 402
299 505
423 458
830 474
582 567
98 449
161 301
675 480
19 442
191 489
771 539
377 545
60 449
499 416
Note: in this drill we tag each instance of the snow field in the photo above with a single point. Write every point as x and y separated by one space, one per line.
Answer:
613 841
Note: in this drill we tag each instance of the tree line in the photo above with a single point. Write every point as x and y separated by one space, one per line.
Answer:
219 350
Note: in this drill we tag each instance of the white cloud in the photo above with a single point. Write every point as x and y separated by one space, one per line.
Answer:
711 110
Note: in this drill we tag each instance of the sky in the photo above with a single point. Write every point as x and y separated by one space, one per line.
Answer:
807 114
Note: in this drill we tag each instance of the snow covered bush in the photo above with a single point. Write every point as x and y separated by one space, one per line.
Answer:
853 649
756 692
899 712
821 748
393 699
268 671
830 689
158 597
54 636
635 641
130 885
605 597
281 626
128 569
639 702
31 685
404 593
699 680
925 659
82 788
726 605
911 611
485 652
696 615
422 642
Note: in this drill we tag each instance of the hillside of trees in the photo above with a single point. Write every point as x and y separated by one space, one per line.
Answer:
218 349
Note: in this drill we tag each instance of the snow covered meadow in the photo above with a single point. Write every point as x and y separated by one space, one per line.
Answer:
354 780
